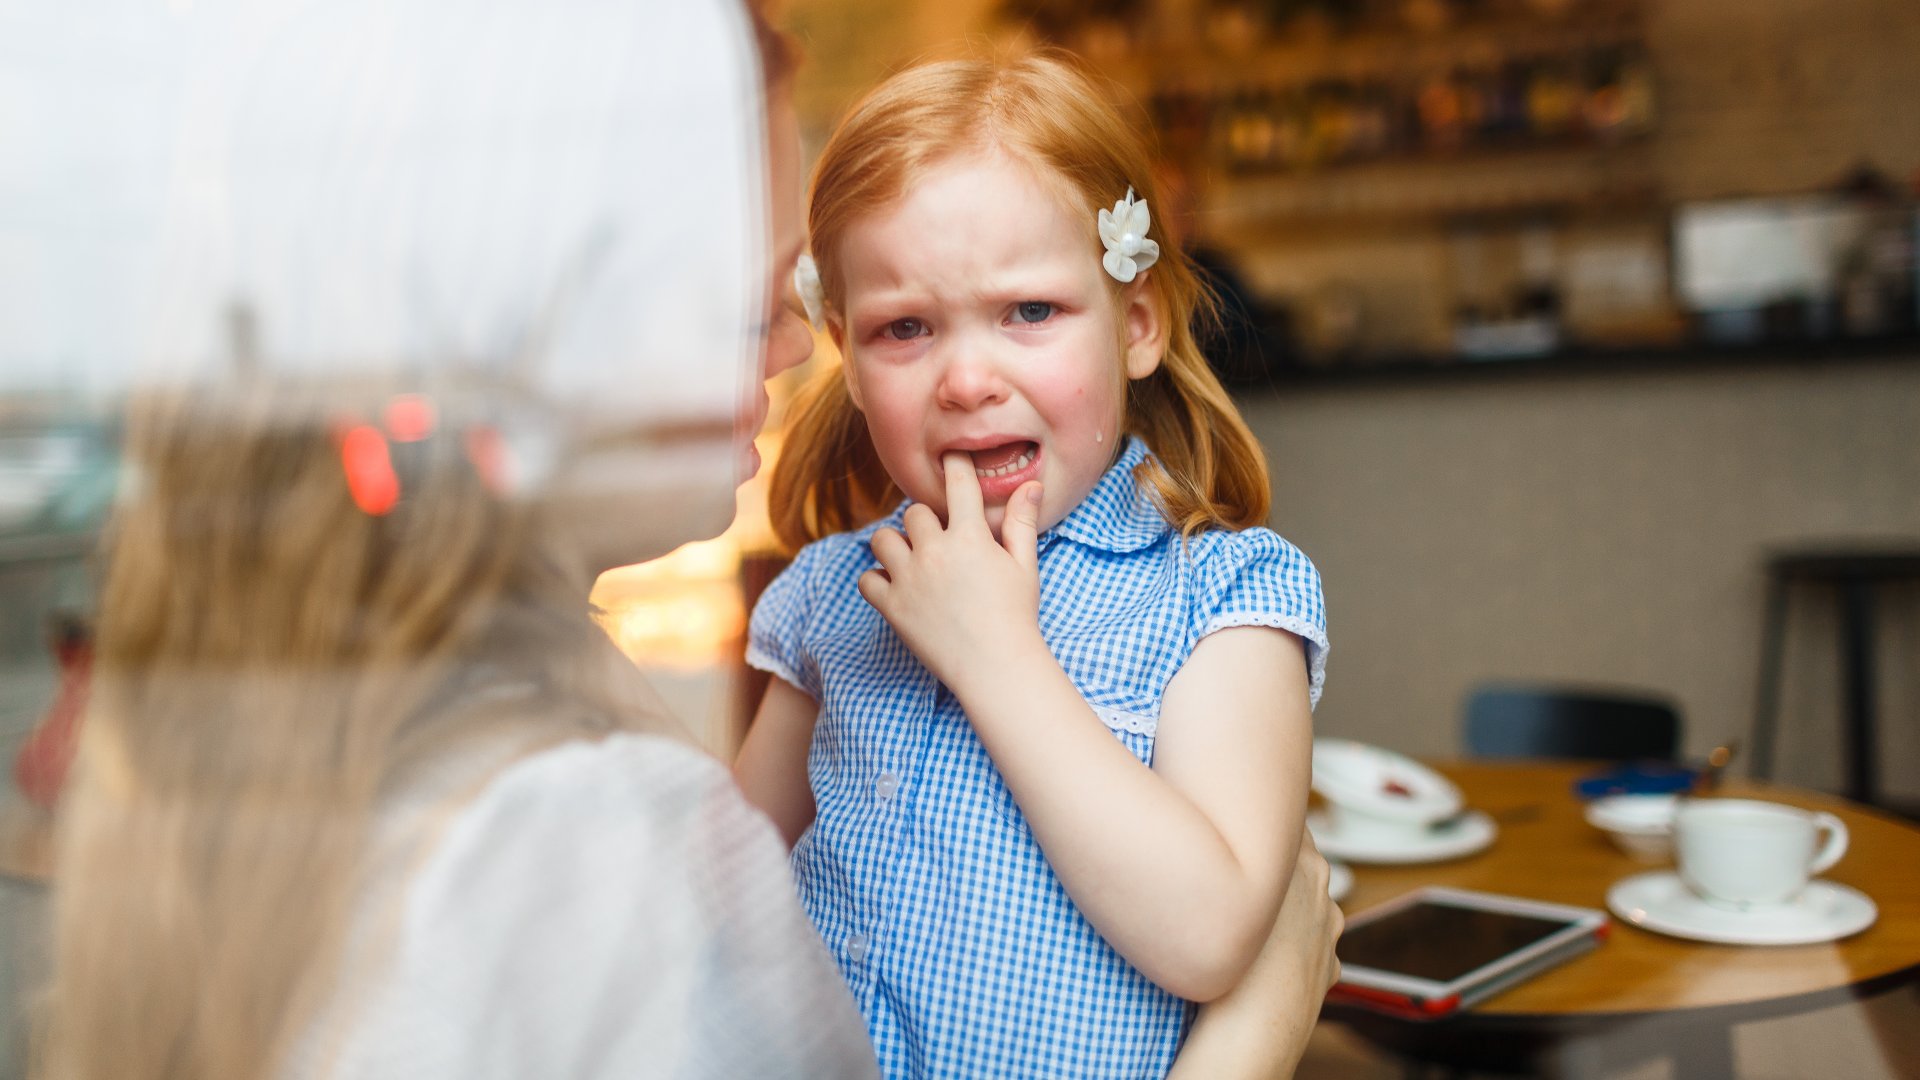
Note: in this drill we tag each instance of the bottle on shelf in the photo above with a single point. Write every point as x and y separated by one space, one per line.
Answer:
1357 104
1554 100
1636 92
1442 114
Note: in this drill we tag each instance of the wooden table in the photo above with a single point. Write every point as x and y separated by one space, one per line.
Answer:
1668 994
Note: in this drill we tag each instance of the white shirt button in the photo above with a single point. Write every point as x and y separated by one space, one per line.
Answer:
857 947
885 785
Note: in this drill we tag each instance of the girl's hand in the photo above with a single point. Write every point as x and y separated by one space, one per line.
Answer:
960 601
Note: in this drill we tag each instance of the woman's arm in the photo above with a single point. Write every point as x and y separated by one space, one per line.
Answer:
1180 867
1259 1031
772 766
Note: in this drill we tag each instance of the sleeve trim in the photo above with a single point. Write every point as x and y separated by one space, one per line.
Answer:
1305 629
760 658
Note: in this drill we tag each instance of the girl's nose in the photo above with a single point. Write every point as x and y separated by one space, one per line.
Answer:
970 380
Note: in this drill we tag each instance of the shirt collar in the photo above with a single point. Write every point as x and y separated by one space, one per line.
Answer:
1118 515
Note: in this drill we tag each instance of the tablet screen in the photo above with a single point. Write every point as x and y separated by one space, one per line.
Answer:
1441 942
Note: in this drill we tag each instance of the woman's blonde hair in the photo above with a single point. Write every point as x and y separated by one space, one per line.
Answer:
1042 109
273 663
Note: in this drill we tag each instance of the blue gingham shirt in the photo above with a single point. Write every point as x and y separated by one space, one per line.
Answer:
963 950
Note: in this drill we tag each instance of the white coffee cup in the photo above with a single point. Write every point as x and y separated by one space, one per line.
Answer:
1746 852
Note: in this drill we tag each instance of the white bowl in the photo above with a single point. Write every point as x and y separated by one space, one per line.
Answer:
1642 825
1374 792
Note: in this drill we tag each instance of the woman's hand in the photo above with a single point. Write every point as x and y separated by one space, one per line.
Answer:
958 599
1260 1029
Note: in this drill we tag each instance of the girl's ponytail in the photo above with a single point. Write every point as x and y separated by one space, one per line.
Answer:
828 478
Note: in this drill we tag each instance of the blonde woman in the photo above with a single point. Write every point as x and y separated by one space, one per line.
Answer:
458 303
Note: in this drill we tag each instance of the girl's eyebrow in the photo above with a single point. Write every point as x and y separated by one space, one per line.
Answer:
1023 283
886 300
1058 270
1018 286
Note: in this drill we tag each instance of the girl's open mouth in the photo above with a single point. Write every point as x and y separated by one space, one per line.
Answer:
1004 460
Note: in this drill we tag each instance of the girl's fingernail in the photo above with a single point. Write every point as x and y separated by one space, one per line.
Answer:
1033 494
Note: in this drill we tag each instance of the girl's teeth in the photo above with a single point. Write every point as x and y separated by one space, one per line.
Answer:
1013 466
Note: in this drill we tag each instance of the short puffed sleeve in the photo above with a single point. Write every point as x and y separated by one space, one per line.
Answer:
777 628
603 910
1253 577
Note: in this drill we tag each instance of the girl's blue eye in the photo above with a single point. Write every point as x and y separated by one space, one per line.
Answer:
904 329
1032 311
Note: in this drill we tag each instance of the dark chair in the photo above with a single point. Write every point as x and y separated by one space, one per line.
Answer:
1857 574
1556 722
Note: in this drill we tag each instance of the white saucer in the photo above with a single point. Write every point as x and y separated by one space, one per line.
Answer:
1339 881
1469 833
1660 902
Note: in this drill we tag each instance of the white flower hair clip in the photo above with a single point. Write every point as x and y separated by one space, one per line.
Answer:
1124 231
813 295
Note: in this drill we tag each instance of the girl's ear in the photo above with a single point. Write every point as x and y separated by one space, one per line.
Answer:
1146 327
839 335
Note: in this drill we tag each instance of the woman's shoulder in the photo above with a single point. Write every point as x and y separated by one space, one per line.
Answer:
604 766
640 790
593 909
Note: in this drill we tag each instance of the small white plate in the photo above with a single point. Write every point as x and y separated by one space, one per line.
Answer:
1659 901
1339 881
1471 832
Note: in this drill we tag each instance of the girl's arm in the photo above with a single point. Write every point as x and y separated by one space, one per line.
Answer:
1182 867
1260 1029
772 766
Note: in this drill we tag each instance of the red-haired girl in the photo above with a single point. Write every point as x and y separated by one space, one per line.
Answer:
1039 733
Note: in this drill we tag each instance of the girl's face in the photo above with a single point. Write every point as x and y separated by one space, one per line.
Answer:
977 317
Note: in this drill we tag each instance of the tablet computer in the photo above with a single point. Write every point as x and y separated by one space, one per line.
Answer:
1437 950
